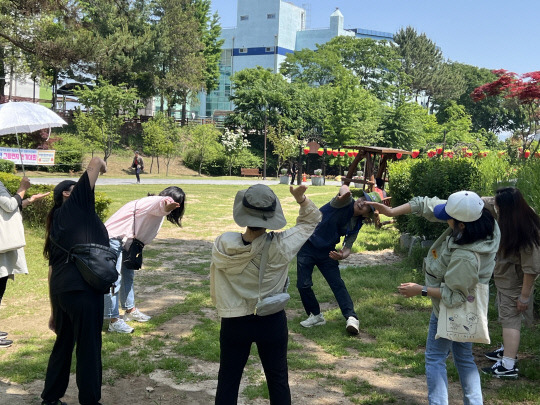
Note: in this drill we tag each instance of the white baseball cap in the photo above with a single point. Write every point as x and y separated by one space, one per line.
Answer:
465 206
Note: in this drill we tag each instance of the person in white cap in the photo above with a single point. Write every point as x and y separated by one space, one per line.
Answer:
461 257
234 287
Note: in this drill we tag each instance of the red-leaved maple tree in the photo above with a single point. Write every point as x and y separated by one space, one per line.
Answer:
525 91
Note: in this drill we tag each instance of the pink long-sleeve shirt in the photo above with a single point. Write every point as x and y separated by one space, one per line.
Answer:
148 219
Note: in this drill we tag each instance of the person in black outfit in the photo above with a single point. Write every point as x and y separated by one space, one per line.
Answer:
294 172
138 165
76 308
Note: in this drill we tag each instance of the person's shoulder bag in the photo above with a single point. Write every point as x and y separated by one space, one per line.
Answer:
132 258
275 302
11 231
95 262
467 322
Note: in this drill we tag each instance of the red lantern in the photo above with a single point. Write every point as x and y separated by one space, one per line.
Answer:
527 154
334 153
537 154
350 154
341 153
399 155
320 152
415 154
450 155
328 151
355 153
439 151
306 151
469 154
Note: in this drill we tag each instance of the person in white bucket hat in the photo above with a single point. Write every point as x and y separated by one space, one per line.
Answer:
235 290
461 257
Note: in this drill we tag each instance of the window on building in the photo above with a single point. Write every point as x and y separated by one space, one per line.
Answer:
244 17
269 49
242 50
271 16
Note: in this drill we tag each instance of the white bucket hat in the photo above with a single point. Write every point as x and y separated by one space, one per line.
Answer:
258 207
465 206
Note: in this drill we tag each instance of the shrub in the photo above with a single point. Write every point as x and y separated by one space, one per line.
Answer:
430 178
7 166
35 215
494 171
528 182
69 154
217 165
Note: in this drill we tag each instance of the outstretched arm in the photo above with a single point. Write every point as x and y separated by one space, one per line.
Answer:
389 211
95 167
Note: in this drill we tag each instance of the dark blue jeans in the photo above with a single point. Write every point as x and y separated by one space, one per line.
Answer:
309 257
137 174
237 335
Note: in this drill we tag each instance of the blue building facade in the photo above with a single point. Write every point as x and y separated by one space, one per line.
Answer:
266 31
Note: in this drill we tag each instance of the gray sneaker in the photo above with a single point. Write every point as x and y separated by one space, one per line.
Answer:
313 320
120 326
136 315
4 343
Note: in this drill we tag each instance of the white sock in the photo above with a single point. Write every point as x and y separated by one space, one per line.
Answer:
508 363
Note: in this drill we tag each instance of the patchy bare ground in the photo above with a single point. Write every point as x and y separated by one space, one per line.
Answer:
160 388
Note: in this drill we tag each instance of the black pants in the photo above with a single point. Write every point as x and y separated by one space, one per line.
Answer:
270 335
3 283
79 319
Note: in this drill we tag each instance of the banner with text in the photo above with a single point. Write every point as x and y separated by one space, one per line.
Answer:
29 156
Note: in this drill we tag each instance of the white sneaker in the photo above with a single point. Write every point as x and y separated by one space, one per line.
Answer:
313 320
120 326
353 325
136 315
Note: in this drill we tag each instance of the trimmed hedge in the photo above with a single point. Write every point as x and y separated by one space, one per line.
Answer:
35 215
7 166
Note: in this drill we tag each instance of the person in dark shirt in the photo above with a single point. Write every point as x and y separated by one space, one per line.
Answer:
76 308
342 216
138 165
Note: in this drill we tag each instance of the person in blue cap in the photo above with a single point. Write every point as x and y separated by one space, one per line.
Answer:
342 216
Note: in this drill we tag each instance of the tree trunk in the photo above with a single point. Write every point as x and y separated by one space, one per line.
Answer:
2 73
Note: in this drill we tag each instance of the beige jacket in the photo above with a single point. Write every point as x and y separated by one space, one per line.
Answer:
234 271
455 265
12 262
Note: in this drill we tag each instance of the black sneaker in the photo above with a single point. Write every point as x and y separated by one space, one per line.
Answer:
5 343
498 371
3 335
495 355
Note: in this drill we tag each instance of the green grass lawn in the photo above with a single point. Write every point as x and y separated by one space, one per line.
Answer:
397 326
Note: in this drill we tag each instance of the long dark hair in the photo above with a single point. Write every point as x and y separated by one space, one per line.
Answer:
58 197
178 195
520 225
474 231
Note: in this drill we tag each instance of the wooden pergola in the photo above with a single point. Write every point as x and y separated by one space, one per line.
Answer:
372 155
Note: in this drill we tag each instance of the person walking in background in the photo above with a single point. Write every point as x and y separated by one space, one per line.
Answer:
516 269
342 216
461 257
141 219
235 288
138 165
13 261
294 172
76 308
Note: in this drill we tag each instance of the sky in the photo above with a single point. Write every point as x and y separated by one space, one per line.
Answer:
493 34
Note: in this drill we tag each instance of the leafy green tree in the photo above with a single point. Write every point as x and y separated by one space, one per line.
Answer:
406 126
314 67
457 126
353 115
286 145
161 137
203 144
107 107
234 143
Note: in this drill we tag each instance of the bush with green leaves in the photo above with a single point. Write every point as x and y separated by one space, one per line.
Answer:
494 171
69 154
7 166
429 178
35 215
528 182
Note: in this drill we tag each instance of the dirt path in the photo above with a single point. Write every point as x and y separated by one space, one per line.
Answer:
159 387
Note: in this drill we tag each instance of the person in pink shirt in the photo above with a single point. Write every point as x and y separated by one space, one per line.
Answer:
140 219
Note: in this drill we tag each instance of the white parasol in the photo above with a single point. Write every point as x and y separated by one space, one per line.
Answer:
24 117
